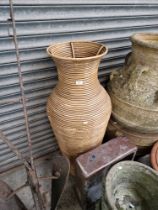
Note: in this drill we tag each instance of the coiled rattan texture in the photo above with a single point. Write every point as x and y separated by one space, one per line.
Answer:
78 108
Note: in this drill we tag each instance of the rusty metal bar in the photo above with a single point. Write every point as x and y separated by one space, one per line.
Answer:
21 82
33 181
26 164
30 172
14 149
17 190
48 177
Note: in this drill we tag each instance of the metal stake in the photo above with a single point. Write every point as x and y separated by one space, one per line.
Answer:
38 198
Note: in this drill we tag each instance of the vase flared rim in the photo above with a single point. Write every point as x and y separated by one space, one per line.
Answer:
104 50
149 40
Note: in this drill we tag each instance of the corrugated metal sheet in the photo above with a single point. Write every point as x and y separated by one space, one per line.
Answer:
41 22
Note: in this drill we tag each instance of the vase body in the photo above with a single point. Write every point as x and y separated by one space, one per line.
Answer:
78 108
134 89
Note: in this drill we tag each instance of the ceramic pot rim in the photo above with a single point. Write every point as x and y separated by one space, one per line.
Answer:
144 39
77 59
117 167
154 156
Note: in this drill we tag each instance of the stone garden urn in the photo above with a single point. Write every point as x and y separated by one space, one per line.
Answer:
134 89
130 185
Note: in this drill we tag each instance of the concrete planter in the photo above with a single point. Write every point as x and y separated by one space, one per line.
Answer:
134 89
131 185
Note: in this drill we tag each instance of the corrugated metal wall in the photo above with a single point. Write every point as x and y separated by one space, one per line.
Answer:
41 22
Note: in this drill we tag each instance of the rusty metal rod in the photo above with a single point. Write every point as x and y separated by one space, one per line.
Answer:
38 198
26 164
29 170
14 149
18 189
21 83
31 177
48 177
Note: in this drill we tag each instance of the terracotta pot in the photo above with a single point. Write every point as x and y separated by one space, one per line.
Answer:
78 108
154 156
131 185
134 89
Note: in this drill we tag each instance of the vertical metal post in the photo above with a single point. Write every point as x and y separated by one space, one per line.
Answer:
21 84
37 196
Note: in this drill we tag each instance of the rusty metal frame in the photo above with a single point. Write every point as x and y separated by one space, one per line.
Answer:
32 181
32 178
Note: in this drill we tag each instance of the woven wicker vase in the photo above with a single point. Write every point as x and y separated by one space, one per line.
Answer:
134 89
78 108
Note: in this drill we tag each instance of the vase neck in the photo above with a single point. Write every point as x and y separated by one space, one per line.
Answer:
145 55
78 78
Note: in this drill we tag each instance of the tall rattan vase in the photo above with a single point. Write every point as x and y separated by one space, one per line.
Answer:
78 108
